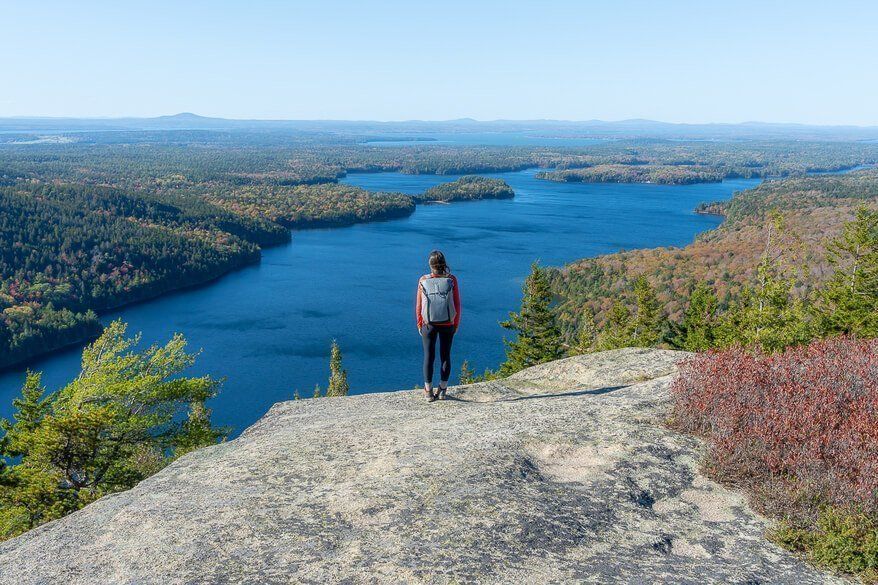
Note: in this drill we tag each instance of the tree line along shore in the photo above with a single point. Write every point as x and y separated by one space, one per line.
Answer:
113 218
77 250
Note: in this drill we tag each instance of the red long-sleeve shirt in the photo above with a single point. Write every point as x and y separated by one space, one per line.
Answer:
418 299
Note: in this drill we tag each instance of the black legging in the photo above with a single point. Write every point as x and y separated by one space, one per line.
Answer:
429 333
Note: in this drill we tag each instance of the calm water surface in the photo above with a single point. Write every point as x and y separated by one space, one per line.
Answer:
267 328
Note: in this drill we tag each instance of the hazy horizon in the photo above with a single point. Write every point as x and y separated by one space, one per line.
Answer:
431 120
682 62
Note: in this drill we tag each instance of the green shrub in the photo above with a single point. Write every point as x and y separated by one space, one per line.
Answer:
842 541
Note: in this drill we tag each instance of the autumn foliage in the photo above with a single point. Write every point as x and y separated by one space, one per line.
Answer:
803 423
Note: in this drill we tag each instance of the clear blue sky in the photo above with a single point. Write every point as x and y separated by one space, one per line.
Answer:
677 61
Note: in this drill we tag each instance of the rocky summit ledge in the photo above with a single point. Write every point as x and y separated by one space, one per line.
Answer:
561 473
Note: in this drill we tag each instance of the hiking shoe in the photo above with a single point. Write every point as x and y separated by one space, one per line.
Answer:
430 396
441 394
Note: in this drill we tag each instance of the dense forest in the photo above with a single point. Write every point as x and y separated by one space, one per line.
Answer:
771 159
90 221
70 250
191 159
687 163
792 220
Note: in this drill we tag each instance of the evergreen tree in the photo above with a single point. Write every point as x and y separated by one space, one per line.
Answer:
588 331
849 301
617 332
5 334
317 391
196 430
767 315
698 329
120 420
646 326
642 329
467 375
338 376
538 338
30 408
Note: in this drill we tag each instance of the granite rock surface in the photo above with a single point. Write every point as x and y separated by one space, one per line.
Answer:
561 473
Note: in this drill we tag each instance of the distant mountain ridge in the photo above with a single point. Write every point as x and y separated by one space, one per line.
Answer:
588 128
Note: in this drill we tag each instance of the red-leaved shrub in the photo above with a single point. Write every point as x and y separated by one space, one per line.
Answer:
806 419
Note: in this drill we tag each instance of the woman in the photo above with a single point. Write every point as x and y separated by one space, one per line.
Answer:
437 310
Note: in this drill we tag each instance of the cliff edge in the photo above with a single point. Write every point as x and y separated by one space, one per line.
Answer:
560 473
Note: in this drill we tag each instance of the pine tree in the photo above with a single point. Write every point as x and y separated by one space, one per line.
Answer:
30 409
642 329
467 375
646 326
317 391
538 338
5 333
338 376
618 331
588 331
767 315
698 329
197 430
119 421
16 441
849 301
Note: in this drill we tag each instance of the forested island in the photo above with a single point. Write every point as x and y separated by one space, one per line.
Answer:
468 188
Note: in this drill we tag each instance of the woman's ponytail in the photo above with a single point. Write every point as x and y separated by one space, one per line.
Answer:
438 265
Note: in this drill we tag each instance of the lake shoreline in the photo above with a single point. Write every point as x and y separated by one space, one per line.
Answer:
266 330
162 292
307 225
146 297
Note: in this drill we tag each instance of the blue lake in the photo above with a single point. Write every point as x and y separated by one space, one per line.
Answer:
267 328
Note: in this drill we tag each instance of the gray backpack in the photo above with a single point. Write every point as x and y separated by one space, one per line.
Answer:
438 302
